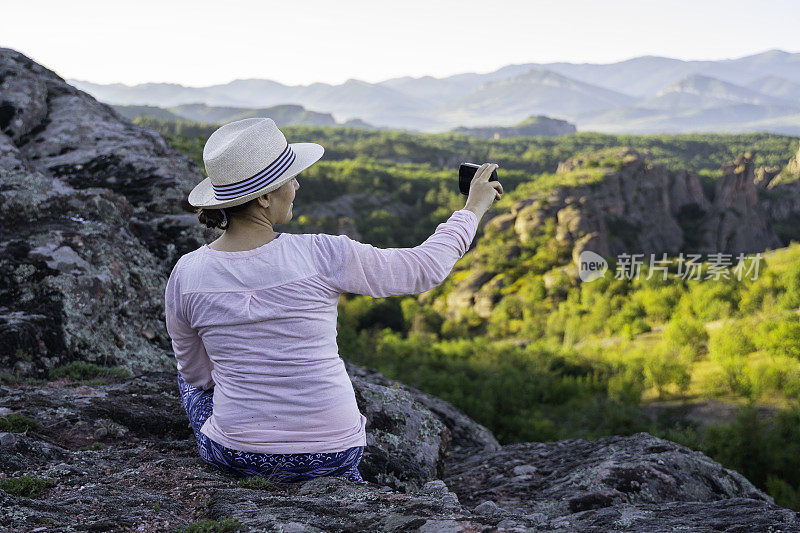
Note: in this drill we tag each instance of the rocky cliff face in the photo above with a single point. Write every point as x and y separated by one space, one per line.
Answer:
780 195
91 228
737 222
635 207
641 208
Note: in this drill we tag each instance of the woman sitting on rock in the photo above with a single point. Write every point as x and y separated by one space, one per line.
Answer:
252 316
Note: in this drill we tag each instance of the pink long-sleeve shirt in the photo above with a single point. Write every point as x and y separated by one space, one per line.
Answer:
259 326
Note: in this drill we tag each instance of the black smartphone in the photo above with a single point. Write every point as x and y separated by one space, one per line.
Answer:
466 171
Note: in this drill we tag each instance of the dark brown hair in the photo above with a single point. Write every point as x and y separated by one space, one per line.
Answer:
212 218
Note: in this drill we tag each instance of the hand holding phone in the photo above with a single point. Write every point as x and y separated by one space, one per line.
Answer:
466 171
484 188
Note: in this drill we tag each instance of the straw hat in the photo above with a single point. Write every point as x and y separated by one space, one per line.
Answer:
247 158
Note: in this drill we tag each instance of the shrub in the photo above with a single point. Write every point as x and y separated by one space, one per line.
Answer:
28 486
17 423
791 280
223 525
779 337
784 494
728 341
663 368
627 384
686 332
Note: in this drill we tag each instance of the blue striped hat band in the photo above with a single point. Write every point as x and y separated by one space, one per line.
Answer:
258 181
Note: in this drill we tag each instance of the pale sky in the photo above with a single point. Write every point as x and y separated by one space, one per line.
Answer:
198 43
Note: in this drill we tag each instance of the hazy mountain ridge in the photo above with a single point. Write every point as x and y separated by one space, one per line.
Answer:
530 93
283 115
533 126
709 92
646 75
615 98
776 86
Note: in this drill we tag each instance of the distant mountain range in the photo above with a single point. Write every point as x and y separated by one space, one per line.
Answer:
283 115
295 115
642 95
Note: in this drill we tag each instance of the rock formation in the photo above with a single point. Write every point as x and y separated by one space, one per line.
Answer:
91 228
793 167
533 126
781 195
121 456
634 207
91 225
642 208
736 222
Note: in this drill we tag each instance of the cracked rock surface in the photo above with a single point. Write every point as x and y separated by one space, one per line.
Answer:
122 457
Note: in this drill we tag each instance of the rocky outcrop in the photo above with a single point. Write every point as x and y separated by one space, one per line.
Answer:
780 197
629 210
121 456
465 433
642 208
91 225
580 485
410 435
765 175
736 222
533 126
618 202
793 166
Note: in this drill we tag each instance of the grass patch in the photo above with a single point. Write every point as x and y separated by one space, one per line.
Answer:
256 482
17 423
574 178
28 486
81 370
224 524
11 379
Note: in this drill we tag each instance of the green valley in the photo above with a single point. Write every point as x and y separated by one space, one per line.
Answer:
515 339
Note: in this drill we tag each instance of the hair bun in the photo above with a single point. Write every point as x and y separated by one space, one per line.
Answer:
217 218
213 218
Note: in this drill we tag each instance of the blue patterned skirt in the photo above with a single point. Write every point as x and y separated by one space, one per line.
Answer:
279 467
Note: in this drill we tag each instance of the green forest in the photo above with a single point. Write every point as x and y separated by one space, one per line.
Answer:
555 358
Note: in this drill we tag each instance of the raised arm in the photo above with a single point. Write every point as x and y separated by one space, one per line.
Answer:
190 352
351 266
